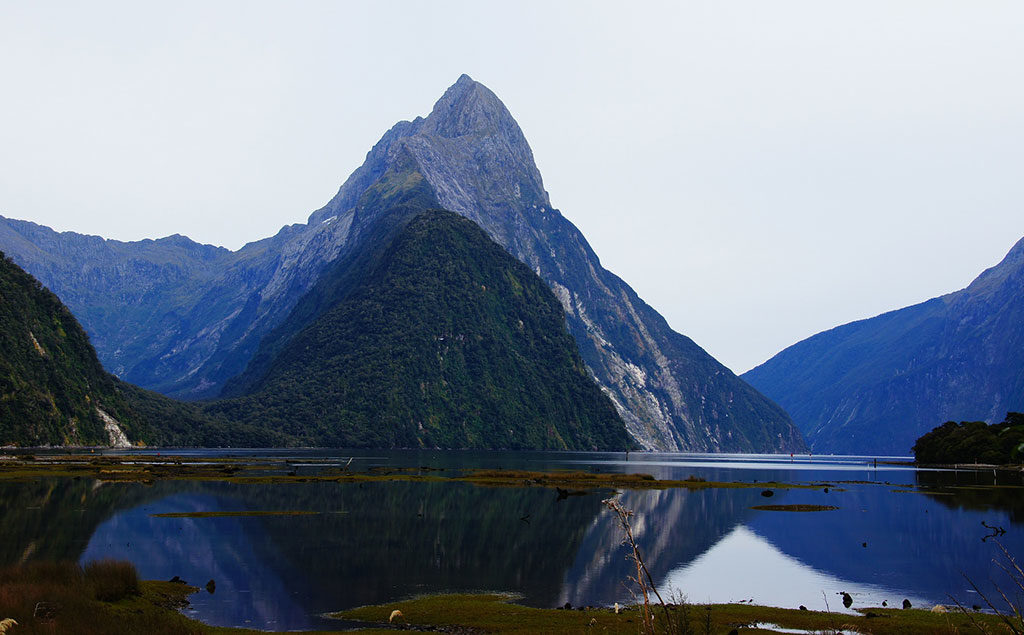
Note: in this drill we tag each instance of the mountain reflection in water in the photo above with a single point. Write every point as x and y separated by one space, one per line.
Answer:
381 541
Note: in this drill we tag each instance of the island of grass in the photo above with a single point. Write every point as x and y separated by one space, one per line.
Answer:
149 468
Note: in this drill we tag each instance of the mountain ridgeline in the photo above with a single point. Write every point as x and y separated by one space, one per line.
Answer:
184 319
876 385
431 335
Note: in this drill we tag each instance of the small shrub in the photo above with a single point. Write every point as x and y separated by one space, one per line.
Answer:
112 580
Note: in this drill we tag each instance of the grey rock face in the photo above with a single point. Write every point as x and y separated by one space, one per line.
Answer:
876 385
211 313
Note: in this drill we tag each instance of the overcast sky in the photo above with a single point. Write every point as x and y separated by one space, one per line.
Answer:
757 171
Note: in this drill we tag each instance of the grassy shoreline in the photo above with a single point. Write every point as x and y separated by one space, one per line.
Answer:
147 469
154 607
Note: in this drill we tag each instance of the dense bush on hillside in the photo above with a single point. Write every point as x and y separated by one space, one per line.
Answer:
437 337
52 386
974 442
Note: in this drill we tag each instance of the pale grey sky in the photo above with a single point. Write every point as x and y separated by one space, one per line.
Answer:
757 171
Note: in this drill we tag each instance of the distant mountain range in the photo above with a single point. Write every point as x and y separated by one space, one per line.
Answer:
876 385
183 318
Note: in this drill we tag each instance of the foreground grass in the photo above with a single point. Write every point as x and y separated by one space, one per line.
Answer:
107 597
496 614
103 597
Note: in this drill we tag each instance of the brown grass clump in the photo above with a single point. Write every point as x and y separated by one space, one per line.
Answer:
112 580
103 597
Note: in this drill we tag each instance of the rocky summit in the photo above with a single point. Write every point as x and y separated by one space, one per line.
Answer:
184 318
876 385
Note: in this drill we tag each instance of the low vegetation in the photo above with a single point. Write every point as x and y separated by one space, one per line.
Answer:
101 597
107 597
491 613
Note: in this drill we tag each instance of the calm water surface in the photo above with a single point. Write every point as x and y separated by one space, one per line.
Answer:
383 541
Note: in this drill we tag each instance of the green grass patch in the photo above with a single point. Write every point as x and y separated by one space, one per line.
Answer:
63 597
148 469
496 613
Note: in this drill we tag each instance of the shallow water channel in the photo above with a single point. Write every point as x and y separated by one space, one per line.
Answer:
897 533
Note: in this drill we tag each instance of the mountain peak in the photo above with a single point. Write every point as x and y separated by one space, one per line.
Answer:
469 107
1016 253
993 278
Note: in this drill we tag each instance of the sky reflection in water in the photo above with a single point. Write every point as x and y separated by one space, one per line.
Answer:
384 541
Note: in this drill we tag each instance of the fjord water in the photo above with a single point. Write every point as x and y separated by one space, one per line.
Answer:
380 541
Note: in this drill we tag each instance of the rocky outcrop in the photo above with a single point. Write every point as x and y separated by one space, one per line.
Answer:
200 314
115 434
876 385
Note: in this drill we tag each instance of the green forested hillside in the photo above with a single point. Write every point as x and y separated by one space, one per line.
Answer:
974 442
52 387
440 339
53 390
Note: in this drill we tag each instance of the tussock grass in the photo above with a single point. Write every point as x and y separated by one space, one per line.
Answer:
111 580
496 614
102 597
